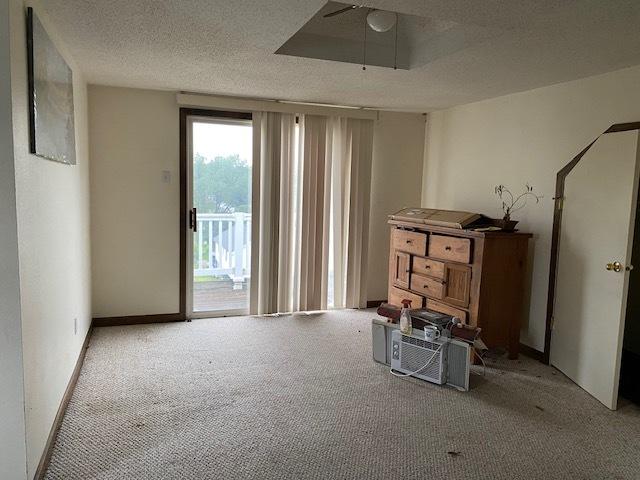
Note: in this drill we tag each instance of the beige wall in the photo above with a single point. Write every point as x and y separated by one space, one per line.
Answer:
53 233
520 138
135 231
134 215
12 422
398 147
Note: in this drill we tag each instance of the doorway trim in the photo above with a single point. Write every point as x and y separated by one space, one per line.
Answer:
557 225
184 232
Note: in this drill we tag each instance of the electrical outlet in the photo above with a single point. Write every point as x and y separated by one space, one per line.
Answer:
75 326
166 176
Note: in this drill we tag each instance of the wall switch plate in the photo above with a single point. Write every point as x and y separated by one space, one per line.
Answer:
166 176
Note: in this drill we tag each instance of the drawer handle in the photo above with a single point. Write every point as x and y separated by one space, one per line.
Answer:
447 248
409 241
426 286
427 267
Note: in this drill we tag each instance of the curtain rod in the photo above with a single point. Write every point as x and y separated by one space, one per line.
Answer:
285 106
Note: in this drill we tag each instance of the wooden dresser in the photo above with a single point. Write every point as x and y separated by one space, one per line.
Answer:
476 276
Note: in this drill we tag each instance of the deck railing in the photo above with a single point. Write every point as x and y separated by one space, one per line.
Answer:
222 245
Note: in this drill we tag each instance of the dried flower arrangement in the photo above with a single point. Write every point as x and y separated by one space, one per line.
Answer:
511 203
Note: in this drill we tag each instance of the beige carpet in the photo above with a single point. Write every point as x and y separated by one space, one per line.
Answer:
299 398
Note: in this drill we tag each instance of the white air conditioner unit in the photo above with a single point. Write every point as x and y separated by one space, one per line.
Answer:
442 361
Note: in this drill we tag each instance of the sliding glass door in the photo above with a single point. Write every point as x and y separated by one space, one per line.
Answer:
219 215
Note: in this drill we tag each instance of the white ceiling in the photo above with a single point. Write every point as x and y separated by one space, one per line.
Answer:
227 47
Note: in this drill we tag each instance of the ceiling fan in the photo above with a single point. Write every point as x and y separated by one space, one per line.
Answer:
378 20
342 10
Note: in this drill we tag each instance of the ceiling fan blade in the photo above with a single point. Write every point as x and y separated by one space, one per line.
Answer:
342 10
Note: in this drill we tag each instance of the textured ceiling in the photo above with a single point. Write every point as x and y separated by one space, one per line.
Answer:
420 40
227 47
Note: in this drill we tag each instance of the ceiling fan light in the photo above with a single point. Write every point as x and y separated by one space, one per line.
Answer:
381 20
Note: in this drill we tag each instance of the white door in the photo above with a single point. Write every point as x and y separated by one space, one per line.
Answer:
597 229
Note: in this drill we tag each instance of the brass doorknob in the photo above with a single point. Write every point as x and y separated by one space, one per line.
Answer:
615 266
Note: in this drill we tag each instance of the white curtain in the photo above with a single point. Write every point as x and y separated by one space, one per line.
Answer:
352 149
314 213
273 155
311 212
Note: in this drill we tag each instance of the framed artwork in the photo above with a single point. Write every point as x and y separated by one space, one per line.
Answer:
51 125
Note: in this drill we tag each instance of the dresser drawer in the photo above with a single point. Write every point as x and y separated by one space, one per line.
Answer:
446 309
400 269
396 295
426 266
450 248
429 286
457 279
411 242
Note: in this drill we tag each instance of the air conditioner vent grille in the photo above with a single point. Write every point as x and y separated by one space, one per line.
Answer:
413 358
447 360
419 342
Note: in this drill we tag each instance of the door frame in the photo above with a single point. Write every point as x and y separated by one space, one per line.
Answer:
185 232
557 225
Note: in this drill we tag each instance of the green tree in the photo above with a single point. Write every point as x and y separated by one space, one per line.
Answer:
221 185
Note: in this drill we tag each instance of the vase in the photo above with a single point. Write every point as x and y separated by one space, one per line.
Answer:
507 225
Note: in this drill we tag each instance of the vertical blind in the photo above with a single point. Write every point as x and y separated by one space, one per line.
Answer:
311 185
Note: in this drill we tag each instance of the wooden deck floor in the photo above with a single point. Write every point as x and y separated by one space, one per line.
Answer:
219 295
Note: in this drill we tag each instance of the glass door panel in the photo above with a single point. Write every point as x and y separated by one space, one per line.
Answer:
220 218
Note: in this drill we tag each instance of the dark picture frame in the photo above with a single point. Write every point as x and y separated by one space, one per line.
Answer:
51 106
